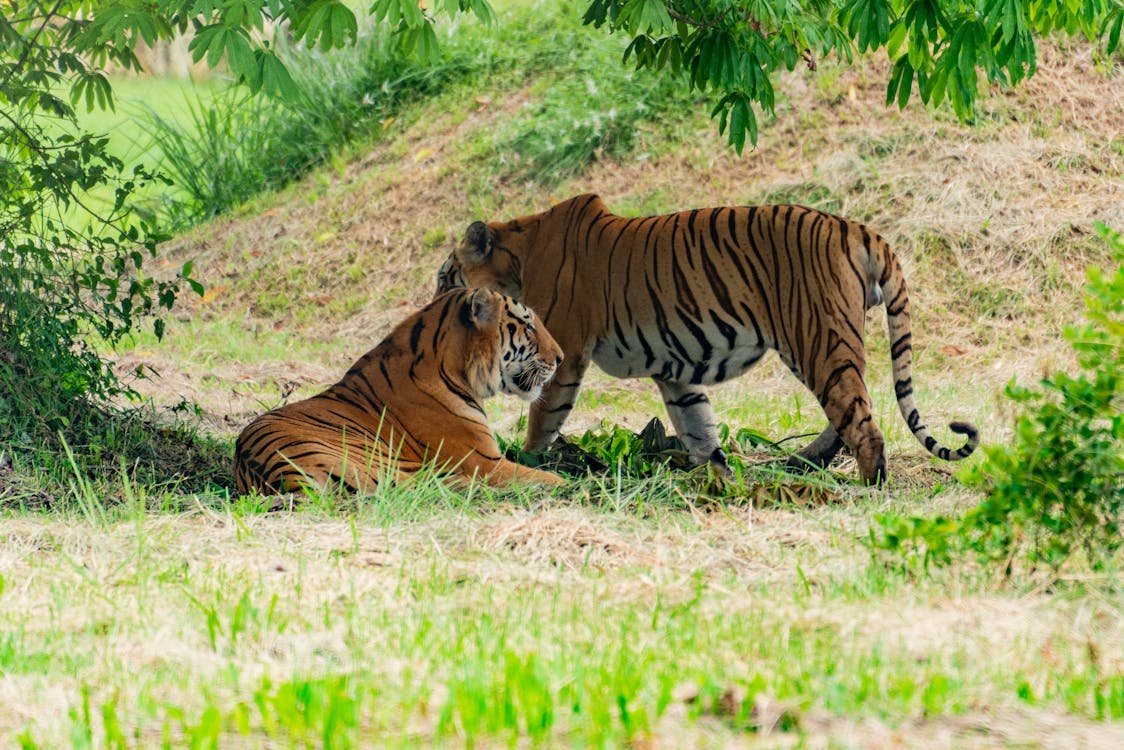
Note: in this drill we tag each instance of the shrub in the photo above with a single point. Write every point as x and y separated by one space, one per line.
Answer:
1059 488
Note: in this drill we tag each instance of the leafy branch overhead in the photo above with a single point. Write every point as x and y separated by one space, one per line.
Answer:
938 47
726 49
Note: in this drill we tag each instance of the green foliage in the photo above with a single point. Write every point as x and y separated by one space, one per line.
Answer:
1058 489
659 469
70 267
236 146
733 48
590 106
72 270
634 454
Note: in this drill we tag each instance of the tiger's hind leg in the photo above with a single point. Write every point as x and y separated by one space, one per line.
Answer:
846 401
695 424
821 451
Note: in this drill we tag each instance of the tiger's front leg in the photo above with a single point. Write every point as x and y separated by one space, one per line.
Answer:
695 424
550 410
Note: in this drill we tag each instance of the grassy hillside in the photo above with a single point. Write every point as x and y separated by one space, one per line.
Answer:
994 223
617 612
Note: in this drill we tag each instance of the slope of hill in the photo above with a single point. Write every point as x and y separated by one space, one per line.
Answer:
994 223
614 613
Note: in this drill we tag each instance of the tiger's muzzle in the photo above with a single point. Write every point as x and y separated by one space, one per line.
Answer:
531 379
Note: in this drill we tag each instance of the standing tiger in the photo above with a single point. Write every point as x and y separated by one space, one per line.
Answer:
414 398
698 297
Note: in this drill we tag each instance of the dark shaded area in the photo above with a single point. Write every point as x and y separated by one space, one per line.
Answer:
53 440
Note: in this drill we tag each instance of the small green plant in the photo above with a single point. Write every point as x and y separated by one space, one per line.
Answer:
1058 489
609 449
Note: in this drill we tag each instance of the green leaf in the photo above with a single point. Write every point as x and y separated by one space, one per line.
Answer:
327 23
482 10
1112 25
239 54
209 42
421 42
397 12
896 39
96 89
274 76
896 75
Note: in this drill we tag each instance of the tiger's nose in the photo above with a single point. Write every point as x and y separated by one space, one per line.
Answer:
558 360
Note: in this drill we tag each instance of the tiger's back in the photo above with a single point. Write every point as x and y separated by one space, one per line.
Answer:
707 310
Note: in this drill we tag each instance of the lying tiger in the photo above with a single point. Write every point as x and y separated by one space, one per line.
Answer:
414 398
698 297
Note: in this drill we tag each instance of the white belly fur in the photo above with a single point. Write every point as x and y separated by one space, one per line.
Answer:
633 363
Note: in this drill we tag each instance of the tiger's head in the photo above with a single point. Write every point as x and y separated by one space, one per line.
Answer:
483 259
508 349
516 256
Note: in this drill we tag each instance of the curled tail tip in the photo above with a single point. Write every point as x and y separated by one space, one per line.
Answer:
969 430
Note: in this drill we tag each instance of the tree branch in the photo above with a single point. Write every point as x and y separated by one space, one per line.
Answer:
677 16
29 45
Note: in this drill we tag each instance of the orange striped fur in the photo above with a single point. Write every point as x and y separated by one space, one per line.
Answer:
413 399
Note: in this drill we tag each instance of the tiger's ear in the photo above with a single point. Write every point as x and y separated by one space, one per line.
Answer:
480 310
478 242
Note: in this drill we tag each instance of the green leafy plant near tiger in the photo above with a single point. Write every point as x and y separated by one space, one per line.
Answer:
697 297
413 399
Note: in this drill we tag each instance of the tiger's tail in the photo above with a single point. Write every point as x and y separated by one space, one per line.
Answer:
892 281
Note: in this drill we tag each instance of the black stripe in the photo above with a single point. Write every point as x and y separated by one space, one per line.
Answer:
683 293
714 278
903 388
699 334
765 301
688 400
341 482
834 379
416 331
649 357
727 330
894 302
901 346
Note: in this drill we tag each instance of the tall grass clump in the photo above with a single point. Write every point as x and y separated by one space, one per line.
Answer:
234 146
1058 490
590 106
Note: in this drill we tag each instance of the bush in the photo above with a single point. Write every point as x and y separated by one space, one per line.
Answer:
72 270
1059 488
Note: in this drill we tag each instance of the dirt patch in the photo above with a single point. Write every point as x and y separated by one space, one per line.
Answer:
562 537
